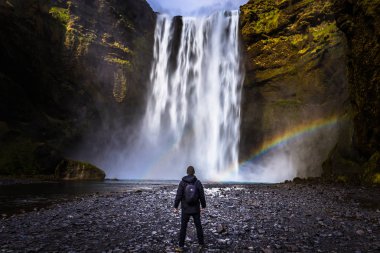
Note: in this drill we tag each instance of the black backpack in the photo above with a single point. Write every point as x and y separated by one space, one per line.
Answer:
191 194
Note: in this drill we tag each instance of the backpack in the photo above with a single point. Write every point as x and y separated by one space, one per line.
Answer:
191 194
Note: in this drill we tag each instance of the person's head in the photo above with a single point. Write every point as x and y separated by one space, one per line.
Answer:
190 171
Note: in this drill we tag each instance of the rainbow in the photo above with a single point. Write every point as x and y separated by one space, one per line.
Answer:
281 139
298 131
270 144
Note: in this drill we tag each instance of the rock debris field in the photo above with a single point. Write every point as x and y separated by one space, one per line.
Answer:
287 217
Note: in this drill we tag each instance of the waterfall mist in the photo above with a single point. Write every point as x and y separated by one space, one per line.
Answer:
193 111
299 156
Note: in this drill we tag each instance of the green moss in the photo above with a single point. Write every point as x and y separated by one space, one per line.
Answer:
376 178
267 22
342 179
288 102
120 86
60 14
323 32
372 169
370 7
297 40
77 40
77 170
116 60
272 73
121 47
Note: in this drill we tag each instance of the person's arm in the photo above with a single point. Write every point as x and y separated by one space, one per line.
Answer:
202 195
178 196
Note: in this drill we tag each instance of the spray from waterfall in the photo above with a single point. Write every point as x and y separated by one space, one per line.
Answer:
193 111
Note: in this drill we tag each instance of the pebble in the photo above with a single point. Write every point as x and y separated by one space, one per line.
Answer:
258 218
220 228
360 232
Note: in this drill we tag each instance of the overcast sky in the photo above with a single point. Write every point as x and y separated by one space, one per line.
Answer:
194 7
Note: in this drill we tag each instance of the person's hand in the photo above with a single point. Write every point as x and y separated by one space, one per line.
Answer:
203 210
175 210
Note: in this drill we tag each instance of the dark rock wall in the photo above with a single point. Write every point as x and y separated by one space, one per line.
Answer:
70 69
357 155
74 72
296 73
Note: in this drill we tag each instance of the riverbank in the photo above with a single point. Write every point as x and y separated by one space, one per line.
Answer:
240 218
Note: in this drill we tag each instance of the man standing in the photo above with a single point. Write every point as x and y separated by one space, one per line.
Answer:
191 195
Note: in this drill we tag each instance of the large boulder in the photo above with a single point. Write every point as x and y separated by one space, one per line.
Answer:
76 170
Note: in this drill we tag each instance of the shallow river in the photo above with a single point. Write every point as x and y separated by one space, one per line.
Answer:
18 198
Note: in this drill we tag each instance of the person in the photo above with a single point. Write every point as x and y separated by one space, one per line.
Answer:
190 209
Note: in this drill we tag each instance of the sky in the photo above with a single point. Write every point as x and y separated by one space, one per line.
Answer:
194 7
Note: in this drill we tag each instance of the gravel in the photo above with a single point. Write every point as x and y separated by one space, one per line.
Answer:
240 218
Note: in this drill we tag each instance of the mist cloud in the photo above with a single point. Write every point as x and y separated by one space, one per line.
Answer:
194 7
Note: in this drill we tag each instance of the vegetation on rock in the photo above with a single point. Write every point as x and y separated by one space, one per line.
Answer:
76 170
295 69
61 14
67 66
360 21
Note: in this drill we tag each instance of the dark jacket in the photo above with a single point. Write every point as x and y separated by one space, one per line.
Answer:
180 197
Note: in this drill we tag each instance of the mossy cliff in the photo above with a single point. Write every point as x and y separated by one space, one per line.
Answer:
68 66
309 59
296 73
356 156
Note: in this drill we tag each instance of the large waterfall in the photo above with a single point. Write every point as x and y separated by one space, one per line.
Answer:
193 111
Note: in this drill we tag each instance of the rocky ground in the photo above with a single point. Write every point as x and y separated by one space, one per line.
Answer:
287 217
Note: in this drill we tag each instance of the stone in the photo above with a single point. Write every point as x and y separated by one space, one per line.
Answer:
220 228
98 223
292 248
76 170
360 232
261 231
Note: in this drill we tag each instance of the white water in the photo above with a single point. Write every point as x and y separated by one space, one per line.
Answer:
193 111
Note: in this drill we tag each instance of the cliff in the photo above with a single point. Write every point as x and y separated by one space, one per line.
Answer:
67 65
314 59
296 75
356 156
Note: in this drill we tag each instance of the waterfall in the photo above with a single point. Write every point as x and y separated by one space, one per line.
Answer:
193 110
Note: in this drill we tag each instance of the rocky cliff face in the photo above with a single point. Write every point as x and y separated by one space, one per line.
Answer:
310 59
296 75
357 155
68 66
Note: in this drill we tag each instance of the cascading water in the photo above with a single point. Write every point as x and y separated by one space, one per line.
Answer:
193 111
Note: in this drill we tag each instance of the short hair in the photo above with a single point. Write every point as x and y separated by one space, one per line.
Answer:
190 170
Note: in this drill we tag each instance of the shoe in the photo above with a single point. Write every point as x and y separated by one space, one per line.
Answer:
179 249
201 247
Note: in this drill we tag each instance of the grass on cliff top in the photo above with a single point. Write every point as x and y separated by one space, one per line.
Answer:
60 14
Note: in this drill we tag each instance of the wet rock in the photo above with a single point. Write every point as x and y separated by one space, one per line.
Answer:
292 248
113 222
76 170
360 232
220 228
